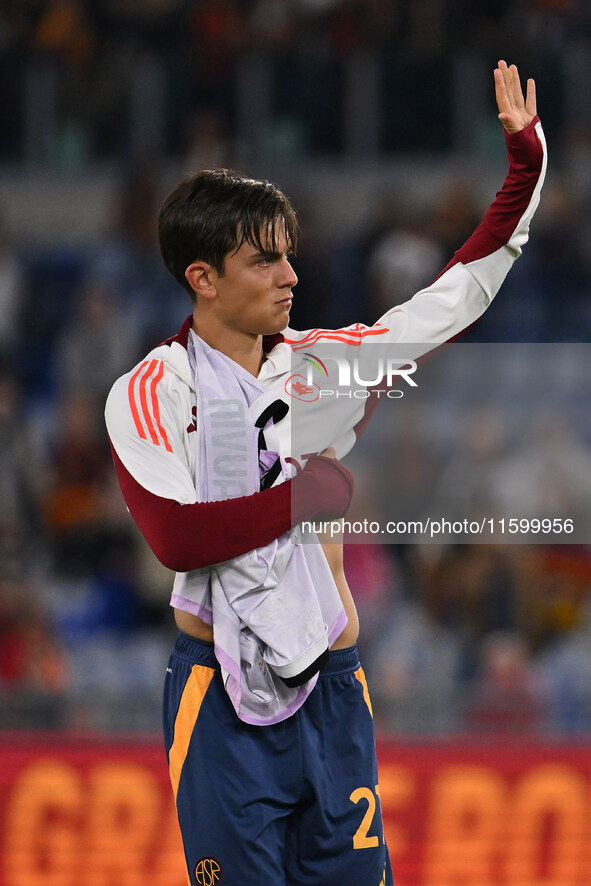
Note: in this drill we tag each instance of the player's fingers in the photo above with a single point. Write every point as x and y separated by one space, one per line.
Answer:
516 86
329 452
503 103
508 78
505 89
530 100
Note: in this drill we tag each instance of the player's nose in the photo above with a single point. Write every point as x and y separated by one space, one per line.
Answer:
287 275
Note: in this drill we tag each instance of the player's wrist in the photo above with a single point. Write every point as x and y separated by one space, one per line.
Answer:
324 489
523 147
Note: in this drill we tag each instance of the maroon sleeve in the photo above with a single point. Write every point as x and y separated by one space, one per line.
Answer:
525 154
526 158
189 536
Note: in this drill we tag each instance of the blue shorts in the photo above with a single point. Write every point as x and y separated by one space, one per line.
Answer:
284 805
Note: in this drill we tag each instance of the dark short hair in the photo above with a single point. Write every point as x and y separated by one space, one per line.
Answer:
211 214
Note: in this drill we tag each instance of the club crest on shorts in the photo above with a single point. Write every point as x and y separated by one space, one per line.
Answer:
208 871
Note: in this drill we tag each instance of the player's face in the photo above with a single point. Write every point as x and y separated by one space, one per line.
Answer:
254 295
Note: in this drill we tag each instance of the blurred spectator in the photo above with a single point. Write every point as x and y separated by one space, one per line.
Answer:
548 474
552 591
471 589
21 468
559 265
34 677
468 482
97 344
402 262
63 43
505 697
414 672
564 668
216 29
129 260
409 464
78 466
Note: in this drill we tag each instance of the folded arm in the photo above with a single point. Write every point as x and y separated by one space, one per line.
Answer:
191 536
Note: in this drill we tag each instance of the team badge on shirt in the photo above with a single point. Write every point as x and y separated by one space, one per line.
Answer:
297 386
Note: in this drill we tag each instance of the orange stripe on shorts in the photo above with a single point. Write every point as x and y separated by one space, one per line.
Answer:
186 718
361 677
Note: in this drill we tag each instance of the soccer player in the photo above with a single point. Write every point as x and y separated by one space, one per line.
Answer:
267 717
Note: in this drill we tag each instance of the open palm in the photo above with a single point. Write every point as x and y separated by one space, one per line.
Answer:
514 112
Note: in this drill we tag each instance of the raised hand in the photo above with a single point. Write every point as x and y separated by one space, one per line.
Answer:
514 112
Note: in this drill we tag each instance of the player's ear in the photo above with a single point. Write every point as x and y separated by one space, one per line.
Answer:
201 278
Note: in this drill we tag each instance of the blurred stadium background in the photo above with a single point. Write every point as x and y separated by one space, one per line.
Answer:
378 119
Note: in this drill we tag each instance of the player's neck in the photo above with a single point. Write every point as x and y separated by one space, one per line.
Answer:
242 348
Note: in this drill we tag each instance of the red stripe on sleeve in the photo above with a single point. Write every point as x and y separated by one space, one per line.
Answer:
144 402
156 406
351 337
133 405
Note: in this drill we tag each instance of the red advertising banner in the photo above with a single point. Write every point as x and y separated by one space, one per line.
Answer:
508 815
77 811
